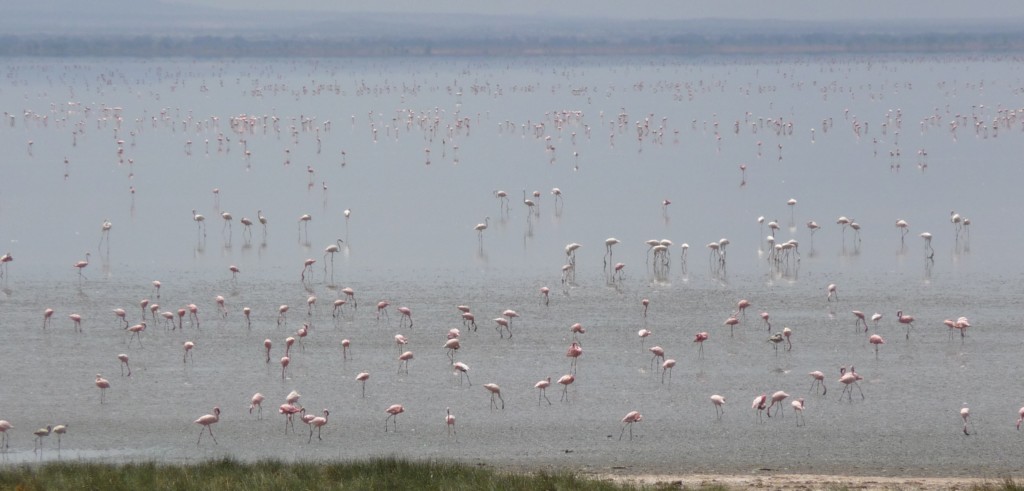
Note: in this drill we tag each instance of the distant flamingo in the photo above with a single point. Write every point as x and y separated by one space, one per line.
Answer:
667 366
103 385
124 364
544 291
121 314
393 411
1020 417
280 314
362 378
307 265
345 343
403 360
741 307
965 414
462 370
289 410
905 319
200 222
699 338
628 420
731 322
206 421
565 381
266 345
304 221
81 265
4 426
47 314
718 401
40 434
406 314
382 307
318 422
759 405
819 379
875 318
876 340
849 381
187 346
495 392
832 292
77 319
574 352
480 227
798 409
452 345
449 421
542 388
658 352
285 360
860 319
645 302
777 398
643 333
764 317
257 402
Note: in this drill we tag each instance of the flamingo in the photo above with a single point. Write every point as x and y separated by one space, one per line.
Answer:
103 385
281 311
403 360
731 322
304 221
47 314
565 381
544 291
876 340
831 289
764 317
929 251
40 434
318 422
307 264
860 319
718 401
393 411
699 338
4 426
351 295
849 380
406 314
263 221
200 222
759 405
777 398
257 402
362 378
331 249
285 360
905 319
1020 417
124 364
819 379
965 414
574 352
645 302
345 343
206 421
227 224
630 418
542 389
120 313
382 307
462 369
449 421
904 228
658 352
667 366
495 392
452 345
798 409
480 227
4 259
875 318
289 410
81 265
77 320
187 346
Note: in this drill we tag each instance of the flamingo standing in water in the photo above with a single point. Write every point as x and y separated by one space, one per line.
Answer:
905 319
759 405
103 385
495 392
718 401
819 379
257 402
81 265
876 340
206 421
542 388
393 411
449 421
362 378
628 420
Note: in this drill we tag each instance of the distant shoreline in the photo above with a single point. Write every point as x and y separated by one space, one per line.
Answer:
204 46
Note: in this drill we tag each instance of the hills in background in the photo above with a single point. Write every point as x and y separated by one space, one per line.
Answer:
136 28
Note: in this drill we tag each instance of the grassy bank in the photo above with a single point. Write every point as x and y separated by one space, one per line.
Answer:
389 474
383 474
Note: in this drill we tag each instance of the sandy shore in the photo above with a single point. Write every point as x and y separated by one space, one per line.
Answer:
804 481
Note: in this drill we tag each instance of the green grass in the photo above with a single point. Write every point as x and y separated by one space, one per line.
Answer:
221 475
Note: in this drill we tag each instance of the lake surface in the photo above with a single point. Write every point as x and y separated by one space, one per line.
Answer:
415 149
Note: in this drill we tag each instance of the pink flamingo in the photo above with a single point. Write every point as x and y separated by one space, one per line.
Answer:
288 342
1020 417
362 378
403 360
741 306
103 385
289 410
81 265
658 352
318 422
495 392
718 401
832 292
452 345
667 365
777 398
764 317
406 314
502 322
266 345
47 314
798 409
699 339
188 351
4 426
280 314
77 319
849 380
731 322
169 317
630 418
307 265
965 414
382 307
819 379
542 388
876 340
345 343
393 411
469 318
246 311
575 329
257 402
905 319
136 331
759 404
193 313
574 352
124 363
449 421
860 319
462 369
285 360
339 305
121 314
645 302
206 420
400 341
565 381
544 291
351 295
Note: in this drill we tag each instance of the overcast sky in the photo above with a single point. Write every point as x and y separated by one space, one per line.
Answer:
663 9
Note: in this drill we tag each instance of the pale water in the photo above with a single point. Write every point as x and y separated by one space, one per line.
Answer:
517 125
